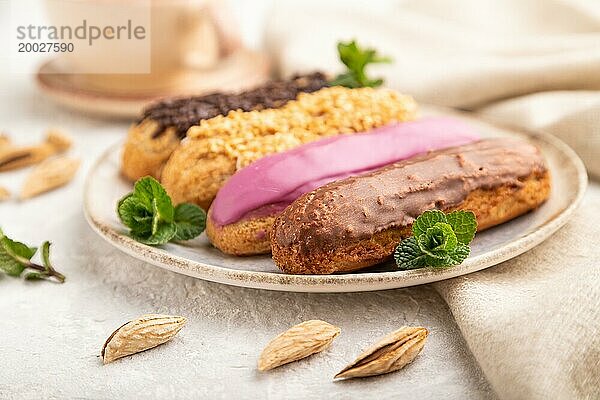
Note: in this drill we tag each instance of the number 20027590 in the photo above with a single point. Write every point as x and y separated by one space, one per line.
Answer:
45 47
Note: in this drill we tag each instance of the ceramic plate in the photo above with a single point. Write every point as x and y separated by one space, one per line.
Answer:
104 187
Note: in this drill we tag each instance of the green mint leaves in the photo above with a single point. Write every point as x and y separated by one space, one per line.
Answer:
15 258
149 214
190 220
439 240
356 60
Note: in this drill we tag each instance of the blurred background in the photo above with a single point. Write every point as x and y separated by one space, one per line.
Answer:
532 63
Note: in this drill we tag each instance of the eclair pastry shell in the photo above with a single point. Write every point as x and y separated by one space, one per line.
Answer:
218 147
491 207
243 238
144 155
357 222
151 141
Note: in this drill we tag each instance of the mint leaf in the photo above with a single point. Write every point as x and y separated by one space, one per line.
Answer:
190 221
34 276
164 232
356 60
346 79
18 249
427 220
151 218
14 256
49 270
9 265
46 254
133 213
150 193
464 225
438 262
438 240
148 212
408 255
135 216
459 255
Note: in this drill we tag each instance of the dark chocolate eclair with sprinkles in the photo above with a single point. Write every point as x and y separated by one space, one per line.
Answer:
357 222
161 127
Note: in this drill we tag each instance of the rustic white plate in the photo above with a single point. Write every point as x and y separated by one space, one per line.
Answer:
104 187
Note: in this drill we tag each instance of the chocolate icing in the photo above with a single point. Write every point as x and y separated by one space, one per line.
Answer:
182 113
355 208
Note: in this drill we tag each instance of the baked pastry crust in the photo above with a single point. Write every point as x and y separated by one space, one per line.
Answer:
252 236
357 222
144 154
218 147
243 238
491 207
158 132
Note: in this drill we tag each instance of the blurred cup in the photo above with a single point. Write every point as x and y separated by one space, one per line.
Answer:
137 44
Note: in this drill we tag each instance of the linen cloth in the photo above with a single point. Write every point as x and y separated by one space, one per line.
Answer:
532 322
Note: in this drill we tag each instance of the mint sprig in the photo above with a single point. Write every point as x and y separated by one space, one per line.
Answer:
190 223
149 214
439 240
356 60
15 258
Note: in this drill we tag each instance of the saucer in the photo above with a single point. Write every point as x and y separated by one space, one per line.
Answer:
96 94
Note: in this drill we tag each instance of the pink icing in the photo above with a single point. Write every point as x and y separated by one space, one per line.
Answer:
275 181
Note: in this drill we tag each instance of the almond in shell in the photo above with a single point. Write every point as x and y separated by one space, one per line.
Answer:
298 342
141 334
48 175
13 157
391 353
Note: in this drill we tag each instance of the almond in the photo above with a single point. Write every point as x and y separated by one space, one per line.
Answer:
49 175
389 354
13 157
298 342
141 334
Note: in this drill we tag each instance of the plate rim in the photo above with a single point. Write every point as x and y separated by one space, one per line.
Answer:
338 283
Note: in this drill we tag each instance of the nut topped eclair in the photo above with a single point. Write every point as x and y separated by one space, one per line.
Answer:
159 130
357 222
218 147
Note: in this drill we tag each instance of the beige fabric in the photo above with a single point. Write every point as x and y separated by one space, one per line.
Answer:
532 322
572 116
465 54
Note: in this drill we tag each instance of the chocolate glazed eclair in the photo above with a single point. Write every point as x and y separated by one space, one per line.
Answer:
163 125
357 222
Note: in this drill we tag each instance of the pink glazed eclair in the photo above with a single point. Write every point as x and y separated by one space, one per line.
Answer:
242 215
